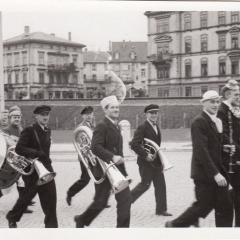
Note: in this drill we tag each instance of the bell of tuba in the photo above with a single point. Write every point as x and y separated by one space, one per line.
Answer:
152 148
82 142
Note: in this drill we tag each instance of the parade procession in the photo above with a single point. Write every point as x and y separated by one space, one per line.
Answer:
158 152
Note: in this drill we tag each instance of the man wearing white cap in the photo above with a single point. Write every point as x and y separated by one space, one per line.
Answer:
230 93
209 175
107 145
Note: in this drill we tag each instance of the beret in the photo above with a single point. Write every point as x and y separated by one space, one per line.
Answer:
151 107
15 110
86 110
42 108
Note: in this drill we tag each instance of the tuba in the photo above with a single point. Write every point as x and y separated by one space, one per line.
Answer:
82 142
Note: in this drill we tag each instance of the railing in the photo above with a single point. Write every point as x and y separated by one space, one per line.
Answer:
160 57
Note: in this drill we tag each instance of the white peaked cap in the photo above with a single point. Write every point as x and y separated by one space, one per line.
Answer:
108 100
211 94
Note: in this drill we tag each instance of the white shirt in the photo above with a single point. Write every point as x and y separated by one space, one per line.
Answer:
216 120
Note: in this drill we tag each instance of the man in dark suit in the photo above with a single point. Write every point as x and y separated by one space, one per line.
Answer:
87 115
150 169
230 93
34 142
207 171
107 145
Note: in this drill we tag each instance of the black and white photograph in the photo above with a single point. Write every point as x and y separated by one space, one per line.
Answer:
119 114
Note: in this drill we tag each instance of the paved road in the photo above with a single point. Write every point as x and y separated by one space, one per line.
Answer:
179 191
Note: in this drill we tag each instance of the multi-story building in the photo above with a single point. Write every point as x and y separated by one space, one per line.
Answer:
130 62
192 52
43 66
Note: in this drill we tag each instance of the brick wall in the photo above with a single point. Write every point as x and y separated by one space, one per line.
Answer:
65 114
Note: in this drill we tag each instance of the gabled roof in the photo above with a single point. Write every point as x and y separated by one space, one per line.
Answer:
42 37
125 49
95 56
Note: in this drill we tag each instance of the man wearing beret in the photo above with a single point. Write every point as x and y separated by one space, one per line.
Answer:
34 142
87 115
230 105
4 119
107 145
209 175
150 169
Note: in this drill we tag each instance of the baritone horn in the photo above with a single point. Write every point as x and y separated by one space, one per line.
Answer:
82 142
19 163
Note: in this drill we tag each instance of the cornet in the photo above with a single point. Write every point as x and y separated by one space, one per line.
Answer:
82 143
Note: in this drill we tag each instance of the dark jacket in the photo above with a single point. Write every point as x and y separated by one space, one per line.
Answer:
206 157
223 115
145 131
107 142
28 145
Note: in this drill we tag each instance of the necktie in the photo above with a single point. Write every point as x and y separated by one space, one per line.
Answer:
155 127
116 124
45 129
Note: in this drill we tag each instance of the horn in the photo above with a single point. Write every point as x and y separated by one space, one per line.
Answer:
152 148
82 142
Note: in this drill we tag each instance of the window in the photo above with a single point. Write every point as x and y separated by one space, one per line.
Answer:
9 60
84 77
94 77
51 78
235 40
58 77
204 89
162 25
94 67
132 55
116 55
57 95
24 77
163 48
41 77
203 16
160 92
187 21
235 66
17 77
188 68
125 67
16 59
166 92
24 58
143 73
75 61
75 77
222 41
221 18
163 71
188 44
222 66
65 78
188 91
220 88
65 60
204 39
204 66
9 78
234 17
40 58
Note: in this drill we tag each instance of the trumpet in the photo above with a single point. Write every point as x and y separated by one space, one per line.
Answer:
82 143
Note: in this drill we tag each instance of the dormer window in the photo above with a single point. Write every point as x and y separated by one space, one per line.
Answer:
116 55
132 55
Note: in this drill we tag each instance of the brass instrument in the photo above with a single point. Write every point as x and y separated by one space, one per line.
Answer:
82 142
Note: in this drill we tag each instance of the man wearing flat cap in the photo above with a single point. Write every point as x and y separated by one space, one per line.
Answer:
4 118
34 142
107 145
87 115
150 169
229 108
209 175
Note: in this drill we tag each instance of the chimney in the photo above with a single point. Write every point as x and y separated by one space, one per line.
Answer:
53 34
123 44
26 30
69 36
110 46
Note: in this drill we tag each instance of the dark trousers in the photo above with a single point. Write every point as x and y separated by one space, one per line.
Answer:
48 199
150 174
209 196
81 183
235 183
102 192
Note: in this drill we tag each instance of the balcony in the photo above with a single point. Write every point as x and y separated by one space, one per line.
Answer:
61 67
160 58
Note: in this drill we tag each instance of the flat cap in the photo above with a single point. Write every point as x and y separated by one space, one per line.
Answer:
211 94
86 110
15 111
151 107
42 108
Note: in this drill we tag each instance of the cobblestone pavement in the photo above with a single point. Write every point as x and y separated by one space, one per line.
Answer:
180 195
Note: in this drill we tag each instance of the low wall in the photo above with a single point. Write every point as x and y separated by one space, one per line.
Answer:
65 114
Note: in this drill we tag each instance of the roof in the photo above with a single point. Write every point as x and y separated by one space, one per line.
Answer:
95 56
125 48
40 36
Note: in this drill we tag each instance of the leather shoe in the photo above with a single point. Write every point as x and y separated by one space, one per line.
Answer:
164 213
28 211
12 224
169 224
79 221
69 200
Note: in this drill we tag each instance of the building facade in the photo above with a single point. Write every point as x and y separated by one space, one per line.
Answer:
192 52
42 66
